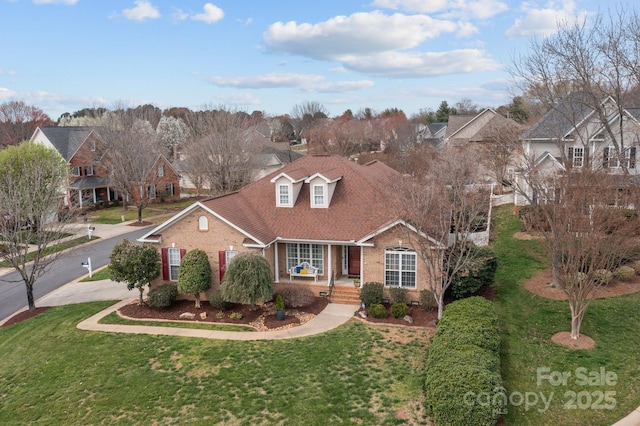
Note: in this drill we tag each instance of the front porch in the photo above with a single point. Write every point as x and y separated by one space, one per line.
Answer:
343 290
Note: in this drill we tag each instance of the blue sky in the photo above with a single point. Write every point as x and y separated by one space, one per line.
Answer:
269 55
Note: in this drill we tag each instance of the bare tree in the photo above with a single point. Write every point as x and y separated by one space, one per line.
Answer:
32 179
501 150
18 121
305 114
133 153
585 236
444 207
220 150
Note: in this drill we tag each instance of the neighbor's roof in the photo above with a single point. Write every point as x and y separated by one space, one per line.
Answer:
561 120
66 140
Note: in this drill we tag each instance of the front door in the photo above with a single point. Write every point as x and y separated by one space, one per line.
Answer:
354 261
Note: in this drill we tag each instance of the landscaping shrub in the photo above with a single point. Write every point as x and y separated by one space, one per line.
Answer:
217 301
636 266
624 273
398 295
162 296
463 362
194 275
371 293
377 310
235 316
602 276
399 310
297 297
478 273
427 299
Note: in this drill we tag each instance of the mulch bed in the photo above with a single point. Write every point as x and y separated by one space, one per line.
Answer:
25 315
262 318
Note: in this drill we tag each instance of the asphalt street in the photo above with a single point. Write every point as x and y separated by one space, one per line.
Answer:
66 268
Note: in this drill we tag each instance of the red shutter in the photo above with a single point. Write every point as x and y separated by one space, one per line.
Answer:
182 253
164 252
222 263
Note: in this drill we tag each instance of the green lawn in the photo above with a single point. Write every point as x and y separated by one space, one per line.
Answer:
50 372
100 274
114 318
53 373
527 324
113 215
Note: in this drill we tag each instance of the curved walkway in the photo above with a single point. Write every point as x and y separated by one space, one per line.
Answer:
331 317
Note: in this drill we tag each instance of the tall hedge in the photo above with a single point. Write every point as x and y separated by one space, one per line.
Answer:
478 273
463 362
194 275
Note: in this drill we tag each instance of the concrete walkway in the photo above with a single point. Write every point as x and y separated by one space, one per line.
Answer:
79 292
331 317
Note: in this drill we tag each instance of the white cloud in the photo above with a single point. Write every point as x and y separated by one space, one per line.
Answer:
7 72
212 13
267 81
428 64
360 33
466 9
380 45
142 10
67 2
6 94
544 21
179 15
340 86
304 82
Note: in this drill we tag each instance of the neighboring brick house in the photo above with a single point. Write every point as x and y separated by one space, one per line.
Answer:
330 212
83 150
87 156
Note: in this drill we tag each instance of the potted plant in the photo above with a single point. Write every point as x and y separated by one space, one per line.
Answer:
356 282
279 307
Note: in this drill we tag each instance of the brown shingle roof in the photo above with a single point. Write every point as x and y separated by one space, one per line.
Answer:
361 204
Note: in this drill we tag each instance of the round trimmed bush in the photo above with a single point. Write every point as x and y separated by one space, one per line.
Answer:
399 310
162 296
624 273
398 295
377 310
602 276
371 293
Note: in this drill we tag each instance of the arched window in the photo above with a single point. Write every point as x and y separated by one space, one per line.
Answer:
203 223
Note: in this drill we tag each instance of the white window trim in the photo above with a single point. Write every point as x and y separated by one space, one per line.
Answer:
280 195
152 192
203 223
161 170
88 170
574 156
318 200
75 171
169 189
401 251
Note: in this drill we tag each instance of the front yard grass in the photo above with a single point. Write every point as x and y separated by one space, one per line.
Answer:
114 318
527 323
113 215
51 372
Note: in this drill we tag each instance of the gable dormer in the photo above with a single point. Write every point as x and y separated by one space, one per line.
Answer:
288 186
321 188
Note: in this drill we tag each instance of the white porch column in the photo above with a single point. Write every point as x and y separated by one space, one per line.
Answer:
329 264
276 268
95 197
108 194
361 266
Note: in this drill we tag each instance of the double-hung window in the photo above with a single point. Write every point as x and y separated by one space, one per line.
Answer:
302 252
576 156
174 263
318 195
400 267
283 195
151 191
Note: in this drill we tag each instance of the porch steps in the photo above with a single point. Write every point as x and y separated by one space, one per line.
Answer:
347 295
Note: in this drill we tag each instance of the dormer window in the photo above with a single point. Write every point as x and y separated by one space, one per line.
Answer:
288 186
284 196
318 196
321 188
